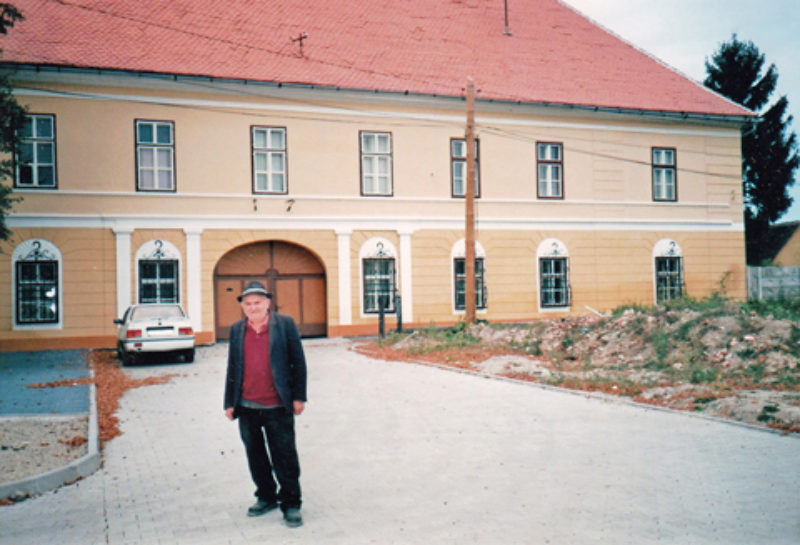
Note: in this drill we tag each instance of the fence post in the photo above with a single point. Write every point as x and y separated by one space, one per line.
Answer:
398 309
381 318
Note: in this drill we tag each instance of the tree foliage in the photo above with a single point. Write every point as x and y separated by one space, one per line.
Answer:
12 118
769 149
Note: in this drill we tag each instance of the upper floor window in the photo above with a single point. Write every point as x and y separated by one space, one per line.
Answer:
378 265
554 288
669 270
37 284
550 170
269 159
159 270
376 163
155 156
664 177
36 159
458 167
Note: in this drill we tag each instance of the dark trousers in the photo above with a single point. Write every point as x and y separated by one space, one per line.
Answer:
277 425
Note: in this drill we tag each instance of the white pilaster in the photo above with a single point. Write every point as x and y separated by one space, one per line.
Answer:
406 281
345 289
194 284
123 236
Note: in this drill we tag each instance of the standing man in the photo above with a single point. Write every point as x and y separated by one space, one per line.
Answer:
265 389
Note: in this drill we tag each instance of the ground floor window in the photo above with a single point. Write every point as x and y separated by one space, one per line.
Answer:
669 281
460 268
553 282
379 284
37 292
158 281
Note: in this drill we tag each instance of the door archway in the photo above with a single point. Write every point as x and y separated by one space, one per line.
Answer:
293 274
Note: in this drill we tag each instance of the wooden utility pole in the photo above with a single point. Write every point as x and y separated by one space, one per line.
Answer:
469 199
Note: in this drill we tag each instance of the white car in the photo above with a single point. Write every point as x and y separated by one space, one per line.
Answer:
154 327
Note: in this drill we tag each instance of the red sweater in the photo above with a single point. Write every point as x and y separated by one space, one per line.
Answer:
258 385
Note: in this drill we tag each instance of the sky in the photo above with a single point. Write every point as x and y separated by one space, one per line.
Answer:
684 33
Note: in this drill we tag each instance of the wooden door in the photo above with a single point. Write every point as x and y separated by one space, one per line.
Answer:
294 275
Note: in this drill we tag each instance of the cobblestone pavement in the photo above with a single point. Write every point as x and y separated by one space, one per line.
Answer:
409 454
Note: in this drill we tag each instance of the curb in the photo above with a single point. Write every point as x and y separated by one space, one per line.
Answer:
600 396
74 471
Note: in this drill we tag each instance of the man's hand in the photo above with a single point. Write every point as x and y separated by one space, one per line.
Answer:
298 407
229 413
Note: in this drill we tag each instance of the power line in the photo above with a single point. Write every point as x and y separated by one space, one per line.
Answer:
396 122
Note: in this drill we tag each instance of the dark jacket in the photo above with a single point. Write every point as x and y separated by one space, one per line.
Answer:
286 357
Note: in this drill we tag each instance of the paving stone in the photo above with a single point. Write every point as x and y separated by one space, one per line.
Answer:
396 453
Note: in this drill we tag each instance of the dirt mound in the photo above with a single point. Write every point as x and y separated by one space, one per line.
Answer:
722 361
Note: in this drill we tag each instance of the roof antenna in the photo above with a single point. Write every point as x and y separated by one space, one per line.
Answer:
300 37
507 32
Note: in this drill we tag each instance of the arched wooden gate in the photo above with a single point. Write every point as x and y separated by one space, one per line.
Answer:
294 275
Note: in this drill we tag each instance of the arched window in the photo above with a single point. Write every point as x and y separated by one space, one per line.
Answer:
458 258
158 264
668 264
553 261
378 259
37 284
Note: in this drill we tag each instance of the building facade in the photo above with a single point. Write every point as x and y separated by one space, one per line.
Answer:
153 186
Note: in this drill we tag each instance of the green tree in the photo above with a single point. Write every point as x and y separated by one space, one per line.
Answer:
769 148
12 119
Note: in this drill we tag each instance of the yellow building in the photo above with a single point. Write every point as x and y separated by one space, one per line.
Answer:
321 149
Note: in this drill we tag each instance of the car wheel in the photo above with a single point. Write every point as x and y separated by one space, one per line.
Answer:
188 355
129 358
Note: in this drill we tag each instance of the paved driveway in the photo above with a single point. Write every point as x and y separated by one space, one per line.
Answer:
18 370
408 454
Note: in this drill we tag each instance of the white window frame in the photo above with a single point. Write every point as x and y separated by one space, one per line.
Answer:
31 136
549 170
458 167
376 163
269 177
37 249
377 248
552 248
157 149
156 250
459 251
668 248
665 174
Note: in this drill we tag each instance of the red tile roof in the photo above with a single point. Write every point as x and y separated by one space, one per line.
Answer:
553 55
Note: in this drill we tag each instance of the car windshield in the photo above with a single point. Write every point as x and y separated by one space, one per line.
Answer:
150 312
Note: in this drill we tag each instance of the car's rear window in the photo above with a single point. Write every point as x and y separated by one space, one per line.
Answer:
157 311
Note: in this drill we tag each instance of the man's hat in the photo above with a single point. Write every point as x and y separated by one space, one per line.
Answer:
254 288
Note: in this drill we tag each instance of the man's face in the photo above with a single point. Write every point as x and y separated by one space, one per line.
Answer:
255 307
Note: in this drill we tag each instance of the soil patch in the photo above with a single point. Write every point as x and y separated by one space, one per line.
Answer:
723 362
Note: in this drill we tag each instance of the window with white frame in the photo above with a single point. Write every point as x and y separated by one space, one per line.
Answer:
36 158
155 156
550 170
554 287
664 175
37 285
458 167
269 159
379 278
668 271
459 264
376 163
158 263
460 282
